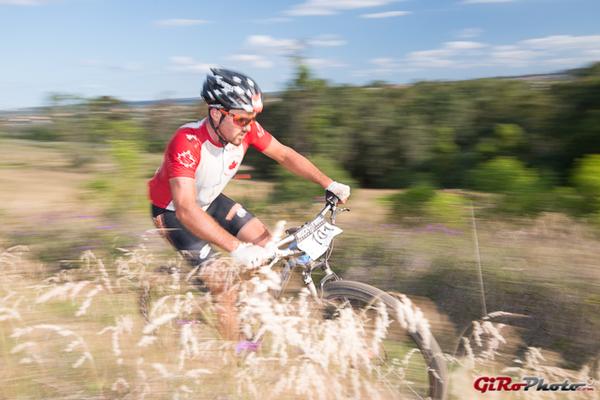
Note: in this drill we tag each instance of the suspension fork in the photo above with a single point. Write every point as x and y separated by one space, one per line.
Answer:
285 277
309 282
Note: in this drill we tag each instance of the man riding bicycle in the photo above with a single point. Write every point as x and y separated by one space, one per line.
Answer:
201 158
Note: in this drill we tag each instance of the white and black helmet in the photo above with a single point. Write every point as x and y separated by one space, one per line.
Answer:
232 90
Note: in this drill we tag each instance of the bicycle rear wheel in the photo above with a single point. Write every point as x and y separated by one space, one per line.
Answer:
410 362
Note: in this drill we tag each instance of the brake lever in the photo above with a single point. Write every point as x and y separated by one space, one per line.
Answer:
335 211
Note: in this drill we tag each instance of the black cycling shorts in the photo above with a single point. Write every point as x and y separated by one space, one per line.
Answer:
194 249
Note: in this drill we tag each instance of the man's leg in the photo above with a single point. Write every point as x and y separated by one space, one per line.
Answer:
217 277
236 220
222 281
254 232
219 280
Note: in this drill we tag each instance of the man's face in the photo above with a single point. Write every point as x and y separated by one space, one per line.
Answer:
234 125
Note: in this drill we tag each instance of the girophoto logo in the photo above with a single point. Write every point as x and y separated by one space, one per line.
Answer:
528 383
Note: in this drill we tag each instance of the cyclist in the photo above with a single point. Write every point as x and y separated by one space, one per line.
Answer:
201 158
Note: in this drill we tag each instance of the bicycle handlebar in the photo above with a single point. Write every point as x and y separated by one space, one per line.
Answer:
331 202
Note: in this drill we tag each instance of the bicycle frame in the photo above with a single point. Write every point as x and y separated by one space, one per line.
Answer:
289 255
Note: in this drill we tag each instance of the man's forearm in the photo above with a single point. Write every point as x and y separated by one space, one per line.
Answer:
301 166
202 225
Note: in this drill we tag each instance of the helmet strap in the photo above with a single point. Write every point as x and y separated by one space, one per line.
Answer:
216 128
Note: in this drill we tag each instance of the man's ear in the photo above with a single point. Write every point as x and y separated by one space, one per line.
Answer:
213 113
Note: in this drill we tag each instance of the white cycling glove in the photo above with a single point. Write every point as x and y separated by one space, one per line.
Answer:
340 190
251 255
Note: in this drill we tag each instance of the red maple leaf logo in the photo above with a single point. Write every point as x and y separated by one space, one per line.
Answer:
233 165
186 159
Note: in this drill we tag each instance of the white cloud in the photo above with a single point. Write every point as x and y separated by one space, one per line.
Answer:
327 41
382 61
563 42
512 56
551 51
176 22
463 45
578 49
486 1
265 43
387 14
273 20
330 7
128 67
188 64
470 33
429 59
592 53
253 59
442 57
384 64
23 2
322 63
125 66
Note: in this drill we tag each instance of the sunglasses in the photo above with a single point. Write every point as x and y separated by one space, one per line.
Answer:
237 119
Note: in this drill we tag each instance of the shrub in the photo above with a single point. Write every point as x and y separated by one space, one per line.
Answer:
42 133
412 201
522 190
568 200
446 208
586 179
424 203
124 187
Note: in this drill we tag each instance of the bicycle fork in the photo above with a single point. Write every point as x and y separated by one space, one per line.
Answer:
310 283
307 279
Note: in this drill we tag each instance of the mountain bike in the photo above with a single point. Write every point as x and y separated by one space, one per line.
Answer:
410 362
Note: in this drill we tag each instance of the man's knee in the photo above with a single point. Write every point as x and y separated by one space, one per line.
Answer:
254 232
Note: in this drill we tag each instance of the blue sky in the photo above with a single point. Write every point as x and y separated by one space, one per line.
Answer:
140 50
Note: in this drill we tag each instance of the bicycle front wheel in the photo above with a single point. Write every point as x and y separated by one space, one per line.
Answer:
409 363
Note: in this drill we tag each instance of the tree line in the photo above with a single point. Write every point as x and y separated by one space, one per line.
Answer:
497 135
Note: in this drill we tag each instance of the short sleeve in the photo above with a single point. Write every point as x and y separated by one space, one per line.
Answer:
183 154
258 137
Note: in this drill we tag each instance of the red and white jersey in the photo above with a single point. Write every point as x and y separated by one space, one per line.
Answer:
194 154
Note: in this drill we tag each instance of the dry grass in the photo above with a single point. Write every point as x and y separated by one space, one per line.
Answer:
133 333
120 330
80 333
483 349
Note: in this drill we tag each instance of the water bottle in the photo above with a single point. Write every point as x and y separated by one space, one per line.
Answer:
303 259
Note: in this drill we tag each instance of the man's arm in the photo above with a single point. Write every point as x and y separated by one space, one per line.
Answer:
296 163
195 219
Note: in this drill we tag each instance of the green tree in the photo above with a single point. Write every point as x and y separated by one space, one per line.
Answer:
289 187
586 179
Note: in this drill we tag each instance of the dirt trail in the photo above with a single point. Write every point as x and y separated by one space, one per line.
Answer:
26 192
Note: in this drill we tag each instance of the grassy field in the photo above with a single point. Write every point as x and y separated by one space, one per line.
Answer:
57 202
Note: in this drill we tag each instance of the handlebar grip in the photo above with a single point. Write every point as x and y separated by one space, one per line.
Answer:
331 198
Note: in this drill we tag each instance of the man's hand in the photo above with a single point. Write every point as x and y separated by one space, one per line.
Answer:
341 191
251 255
